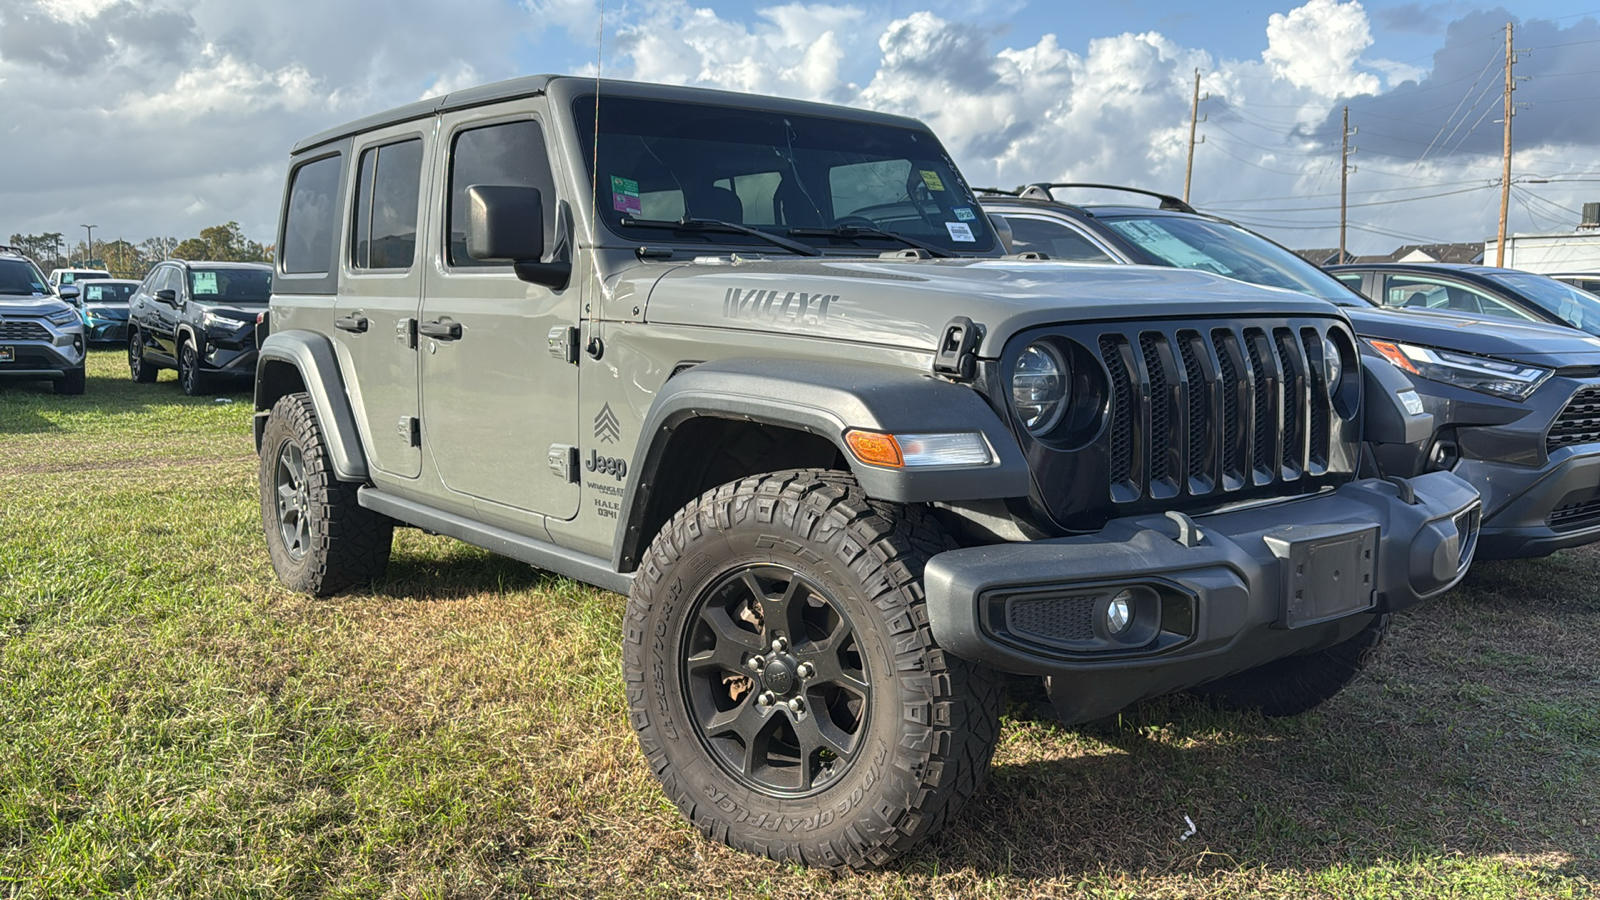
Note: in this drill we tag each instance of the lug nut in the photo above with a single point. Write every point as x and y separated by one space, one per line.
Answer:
780 644
797 706
806 670
757 663
766 699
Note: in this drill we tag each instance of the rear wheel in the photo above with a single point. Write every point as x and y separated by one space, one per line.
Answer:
783 680
138 369
321 540
1297 684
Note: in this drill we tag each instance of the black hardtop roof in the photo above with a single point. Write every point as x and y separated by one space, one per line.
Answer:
532 85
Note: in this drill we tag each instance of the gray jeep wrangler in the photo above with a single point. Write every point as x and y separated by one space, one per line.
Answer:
762 366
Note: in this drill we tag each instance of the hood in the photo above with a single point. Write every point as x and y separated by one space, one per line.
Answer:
36 305
1531 342
907 303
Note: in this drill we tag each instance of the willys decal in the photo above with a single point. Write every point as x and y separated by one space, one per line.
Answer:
794 306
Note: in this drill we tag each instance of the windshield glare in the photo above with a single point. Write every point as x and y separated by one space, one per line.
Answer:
230 285
1577 308
661 161
1229 250
108 293
19 278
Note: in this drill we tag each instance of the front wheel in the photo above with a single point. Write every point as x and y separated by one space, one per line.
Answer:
193 381
138 369
321 540
1296 684
783 680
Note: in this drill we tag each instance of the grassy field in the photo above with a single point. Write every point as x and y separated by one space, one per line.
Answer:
174 723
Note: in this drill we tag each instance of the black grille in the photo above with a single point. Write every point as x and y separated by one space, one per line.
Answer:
13 330
1575 516
1054 618
1121 410
1221 409
1579 422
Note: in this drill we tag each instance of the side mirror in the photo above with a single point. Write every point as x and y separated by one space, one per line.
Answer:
69 293
506 222
167 296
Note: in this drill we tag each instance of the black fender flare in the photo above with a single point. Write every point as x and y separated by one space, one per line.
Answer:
312 356
828 399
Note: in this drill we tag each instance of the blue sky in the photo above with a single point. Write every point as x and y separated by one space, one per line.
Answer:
166 116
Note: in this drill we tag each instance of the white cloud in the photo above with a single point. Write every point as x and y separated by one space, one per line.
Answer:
1315 46
222 83
462 75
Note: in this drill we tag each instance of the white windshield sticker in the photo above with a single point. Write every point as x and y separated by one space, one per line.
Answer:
1168 247
205 282
960 231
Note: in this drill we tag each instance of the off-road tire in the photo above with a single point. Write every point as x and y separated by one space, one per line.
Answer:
139 369
342 544
925 742
191 377
1297 684
71 382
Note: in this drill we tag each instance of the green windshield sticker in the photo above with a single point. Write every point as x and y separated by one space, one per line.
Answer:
931 179
964 213
625 195
205 283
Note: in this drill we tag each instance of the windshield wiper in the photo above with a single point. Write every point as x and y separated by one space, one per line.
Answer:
850 231
690 224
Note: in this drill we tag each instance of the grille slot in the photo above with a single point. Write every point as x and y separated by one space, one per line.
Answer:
1226 409
1067 619
13 330
1579 422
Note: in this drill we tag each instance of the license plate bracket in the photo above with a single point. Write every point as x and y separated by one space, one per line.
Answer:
1329 571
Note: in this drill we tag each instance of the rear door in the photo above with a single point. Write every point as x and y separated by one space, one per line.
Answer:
380 286
495 402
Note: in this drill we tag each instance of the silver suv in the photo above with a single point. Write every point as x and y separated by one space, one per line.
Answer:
763 366
41 336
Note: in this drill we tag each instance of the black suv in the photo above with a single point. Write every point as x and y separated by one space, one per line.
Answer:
1487 291
199 318
1516 404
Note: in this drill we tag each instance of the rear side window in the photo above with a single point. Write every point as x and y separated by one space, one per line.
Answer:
309 224
509 154
1053 239
386 206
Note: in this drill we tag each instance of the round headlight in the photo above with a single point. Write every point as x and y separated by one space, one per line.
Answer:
1332 364
1039 387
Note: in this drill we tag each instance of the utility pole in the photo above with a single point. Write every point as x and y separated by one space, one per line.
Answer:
1194 120
1344 180
1505 170
90 229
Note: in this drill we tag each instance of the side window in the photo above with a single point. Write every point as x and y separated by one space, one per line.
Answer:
1351 280
386 206
509 154
309 224
1054 239
1411 292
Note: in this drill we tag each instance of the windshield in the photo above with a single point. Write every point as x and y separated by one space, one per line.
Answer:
785 174
1577 308
74 277
230 285
18 277
1224 249
107 293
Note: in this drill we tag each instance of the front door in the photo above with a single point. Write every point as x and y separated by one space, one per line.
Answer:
494 399
375 313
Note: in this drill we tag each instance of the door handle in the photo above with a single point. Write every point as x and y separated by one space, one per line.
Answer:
440 329
356 324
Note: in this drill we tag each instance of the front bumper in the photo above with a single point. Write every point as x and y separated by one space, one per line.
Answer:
60 351
231 356
100 330
1244 588
1537 511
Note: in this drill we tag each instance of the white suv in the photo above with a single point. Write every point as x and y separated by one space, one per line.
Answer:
41 336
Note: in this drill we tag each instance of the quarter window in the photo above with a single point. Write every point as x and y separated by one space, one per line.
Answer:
511 154
1408 292
309 225
1053 239
386 206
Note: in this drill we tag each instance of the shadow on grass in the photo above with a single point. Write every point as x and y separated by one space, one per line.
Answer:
458 570
31 407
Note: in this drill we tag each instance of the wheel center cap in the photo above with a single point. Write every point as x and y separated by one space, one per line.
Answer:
779 676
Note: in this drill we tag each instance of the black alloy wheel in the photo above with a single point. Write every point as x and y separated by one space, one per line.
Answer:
190 378
141 371
776 684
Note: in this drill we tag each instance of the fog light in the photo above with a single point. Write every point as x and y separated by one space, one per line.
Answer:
1119 613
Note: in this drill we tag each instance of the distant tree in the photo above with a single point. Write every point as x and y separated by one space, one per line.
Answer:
157 248
43 248
222 242
123 260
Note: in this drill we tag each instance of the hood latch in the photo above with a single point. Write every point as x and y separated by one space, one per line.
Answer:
957 356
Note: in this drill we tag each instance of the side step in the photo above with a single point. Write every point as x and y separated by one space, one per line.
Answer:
540 554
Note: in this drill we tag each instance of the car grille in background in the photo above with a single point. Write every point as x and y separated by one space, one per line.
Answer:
1579 422
1220 410
13 330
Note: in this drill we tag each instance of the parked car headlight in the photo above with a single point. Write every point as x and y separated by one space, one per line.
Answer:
221 324
1039 387
1332 363
1501 378
64 317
